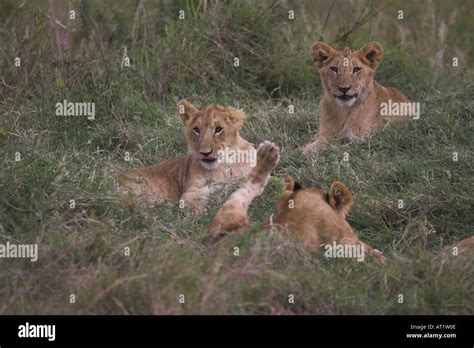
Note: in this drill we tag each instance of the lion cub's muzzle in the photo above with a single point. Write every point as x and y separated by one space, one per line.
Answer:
209 158
346 99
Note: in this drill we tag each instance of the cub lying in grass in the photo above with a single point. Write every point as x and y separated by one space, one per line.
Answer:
313 214
193 177
350 108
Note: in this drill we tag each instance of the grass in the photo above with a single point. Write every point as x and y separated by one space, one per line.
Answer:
82 251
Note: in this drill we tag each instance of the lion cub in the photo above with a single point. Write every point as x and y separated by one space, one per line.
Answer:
312 214
210 132
351 104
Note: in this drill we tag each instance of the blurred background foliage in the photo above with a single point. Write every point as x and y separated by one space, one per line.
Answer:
178 57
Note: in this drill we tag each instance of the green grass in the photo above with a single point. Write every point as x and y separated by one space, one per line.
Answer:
81 250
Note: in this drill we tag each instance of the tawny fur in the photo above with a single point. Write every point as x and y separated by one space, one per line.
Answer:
354 119
459 250
313 215
188 177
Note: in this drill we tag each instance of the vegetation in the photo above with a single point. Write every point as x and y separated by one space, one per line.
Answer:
82 249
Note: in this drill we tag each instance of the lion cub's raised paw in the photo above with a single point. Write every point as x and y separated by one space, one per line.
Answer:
268 156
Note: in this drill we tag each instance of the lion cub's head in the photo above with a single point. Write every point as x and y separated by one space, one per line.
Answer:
210 129
347 74
316 215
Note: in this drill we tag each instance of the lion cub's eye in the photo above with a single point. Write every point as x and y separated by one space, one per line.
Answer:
218 130
196 130
333 69
356 70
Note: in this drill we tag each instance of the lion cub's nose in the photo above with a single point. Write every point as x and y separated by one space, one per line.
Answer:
205 153
344 89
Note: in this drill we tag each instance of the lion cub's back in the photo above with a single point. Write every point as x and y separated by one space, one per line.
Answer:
396 95
167 177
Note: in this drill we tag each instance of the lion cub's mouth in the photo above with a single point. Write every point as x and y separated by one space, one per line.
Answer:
209 159
346 97
209 162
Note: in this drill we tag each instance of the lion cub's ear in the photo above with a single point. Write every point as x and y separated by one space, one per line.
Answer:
339 197
321 52
290 184
371 54
186 110
236 117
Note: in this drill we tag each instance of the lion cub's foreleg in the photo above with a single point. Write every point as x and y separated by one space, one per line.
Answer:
196 197
233 213
320 142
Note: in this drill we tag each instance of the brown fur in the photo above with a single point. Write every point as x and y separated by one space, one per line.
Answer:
353 119
187 177
313 215
459 250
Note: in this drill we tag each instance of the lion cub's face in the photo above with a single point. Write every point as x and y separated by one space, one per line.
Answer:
346 73
209 130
